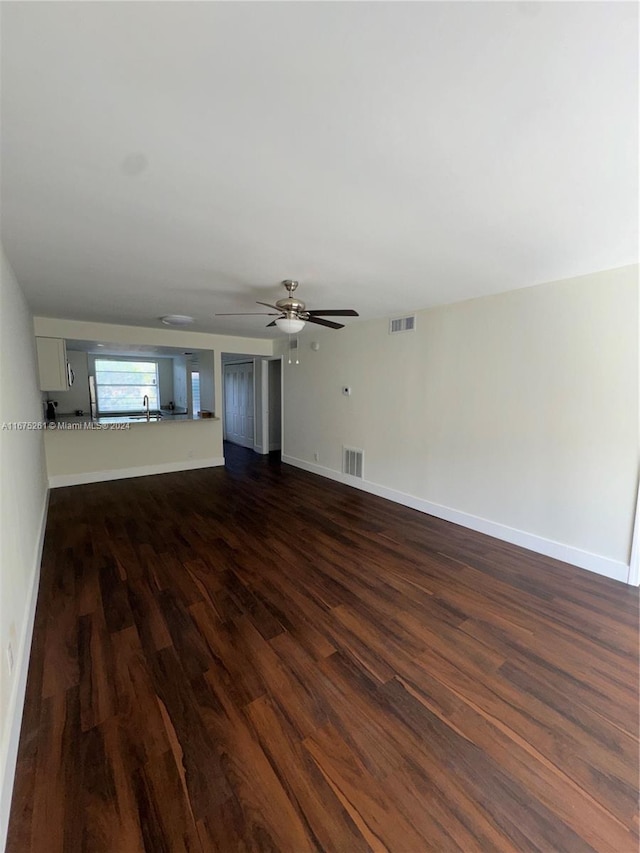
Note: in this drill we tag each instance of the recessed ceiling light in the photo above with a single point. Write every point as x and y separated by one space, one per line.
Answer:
176 320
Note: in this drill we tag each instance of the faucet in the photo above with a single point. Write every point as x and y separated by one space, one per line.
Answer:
145 403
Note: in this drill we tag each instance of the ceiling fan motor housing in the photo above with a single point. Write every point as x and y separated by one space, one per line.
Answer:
290 305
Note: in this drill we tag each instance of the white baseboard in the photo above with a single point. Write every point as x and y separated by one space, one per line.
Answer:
58 480
634 562
19 685
582 559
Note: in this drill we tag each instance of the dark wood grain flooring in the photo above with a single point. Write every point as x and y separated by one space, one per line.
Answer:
256 659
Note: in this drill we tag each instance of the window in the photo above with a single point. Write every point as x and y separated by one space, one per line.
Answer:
122 384
195 392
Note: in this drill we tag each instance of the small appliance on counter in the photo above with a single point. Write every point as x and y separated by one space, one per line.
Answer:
51 410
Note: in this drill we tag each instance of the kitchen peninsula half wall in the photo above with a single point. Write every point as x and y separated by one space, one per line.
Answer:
161 388
109 452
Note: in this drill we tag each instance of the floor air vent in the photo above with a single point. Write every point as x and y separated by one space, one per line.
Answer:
352 461
402 324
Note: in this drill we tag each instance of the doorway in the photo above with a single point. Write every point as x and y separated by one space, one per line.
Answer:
272 418
239 409
252 402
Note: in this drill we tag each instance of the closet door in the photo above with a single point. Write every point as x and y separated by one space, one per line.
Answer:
238 403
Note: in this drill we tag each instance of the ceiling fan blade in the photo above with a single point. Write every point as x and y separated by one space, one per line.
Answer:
272 323
347 312
270 306
328 323
249 314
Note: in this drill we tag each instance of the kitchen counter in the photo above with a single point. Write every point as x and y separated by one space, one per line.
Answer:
80 422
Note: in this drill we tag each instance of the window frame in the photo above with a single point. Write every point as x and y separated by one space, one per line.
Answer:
98 357
194 412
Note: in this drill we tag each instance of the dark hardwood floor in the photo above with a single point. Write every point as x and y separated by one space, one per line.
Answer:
257 659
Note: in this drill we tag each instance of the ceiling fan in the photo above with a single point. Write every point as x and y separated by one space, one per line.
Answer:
292 315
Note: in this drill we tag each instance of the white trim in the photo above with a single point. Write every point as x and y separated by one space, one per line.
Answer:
281 407
254 445
614 569
268 447
264 448
58 480
15 707
634 562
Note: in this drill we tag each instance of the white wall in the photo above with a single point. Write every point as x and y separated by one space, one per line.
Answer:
207 389
80 330
180 394
23 494
516 414
260 368
165 381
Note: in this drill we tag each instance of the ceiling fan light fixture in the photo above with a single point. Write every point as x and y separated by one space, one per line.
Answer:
176 320
290 325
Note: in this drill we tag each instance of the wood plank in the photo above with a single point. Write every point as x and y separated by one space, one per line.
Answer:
208 673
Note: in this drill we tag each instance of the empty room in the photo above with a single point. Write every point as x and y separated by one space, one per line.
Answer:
320 427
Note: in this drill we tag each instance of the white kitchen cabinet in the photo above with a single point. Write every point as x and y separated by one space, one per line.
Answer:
53 367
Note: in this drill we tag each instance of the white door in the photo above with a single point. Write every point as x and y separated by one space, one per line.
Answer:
238 403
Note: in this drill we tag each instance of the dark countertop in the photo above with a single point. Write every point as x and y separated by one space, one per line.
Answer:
78 421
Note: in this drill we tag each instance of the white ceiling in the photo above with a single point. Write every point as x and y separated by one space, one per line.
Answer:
185 157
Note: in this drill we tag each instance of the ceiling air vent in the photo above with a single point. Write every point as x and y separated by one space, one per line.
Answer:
352 461
402 324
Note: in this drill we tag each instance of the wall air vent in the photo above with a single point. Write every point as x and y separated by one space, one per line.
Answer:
352 461
402 324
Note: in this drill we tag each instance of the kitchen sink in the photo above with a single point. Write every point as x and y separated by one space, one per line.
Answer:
151 417
129 418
